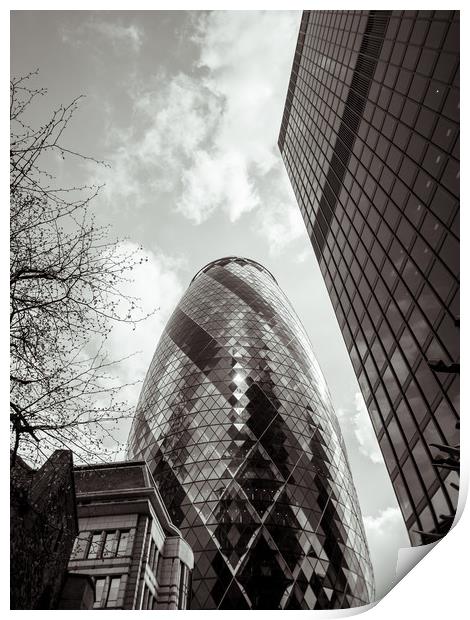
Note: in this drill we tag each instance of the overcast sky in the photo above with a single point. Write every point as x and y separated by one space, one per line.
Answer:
186 107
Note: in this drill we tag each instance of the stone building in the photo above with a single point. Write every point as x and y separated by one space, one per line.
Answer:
127 543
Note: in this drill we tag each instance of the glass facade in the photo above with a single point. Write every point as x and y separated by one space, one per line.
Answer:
236 424
370 140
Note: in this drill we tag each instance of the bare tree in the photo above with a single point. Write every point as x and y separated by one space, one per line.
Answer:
66 280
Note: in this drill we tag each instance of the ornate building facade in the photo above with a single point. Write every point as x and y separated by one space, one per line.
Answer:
236 424
127 543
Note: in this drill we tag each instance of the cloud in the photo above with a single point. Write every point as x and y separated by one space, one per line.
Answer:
248 68
364 432
379 524
117 33
247 56
279 219
158 287
208 137
172 120
117 181
304 255
385 534
217 182
358 422
94 31
179 115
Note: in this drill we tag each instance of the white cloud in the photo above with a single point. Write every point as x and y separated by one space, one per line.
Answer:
117 33
154 285
281 223
248 56
121 37
364 432
385 534
304 255
379 524
171 122
210 138
180 114
157 286
279 219
248 67
214 182
117 181
357 421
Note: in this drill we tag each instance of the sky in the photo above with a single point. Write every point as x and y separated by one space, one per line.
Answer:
186 107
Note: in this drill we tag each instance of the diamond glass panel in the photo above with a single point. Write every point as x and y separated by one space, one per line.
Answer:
236 423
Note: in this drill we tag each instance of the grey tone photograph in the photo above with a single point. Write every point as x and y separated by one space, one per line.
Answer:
234 305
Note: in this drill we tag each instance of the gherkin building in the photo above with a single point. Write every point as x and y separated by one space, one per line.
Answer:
236 423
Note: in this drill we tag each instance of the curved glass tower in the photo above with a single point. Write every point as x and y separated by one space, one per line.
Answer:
236 424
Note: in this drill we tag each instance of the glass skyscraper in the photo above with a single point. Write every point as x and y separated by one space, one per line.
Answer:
370 140
236 423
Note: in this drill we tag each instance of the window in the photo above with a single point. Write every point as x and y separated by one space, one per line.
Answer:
408 346
123 543
427 61
148 600
391 384
404 31
104 544
416 402
184 587
418 88
111 599
411 276
445 133
400 367
446 419
80 545
427 522
429 304
94 548
153 557
407 174
410 109
440 504
452 105
145 598
439 278
387 453
416 147
109 545
411 57
107 591
423 462
414 210
403 497
405 420
413 481
449 254
99 588
421 254
425 122
436 33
